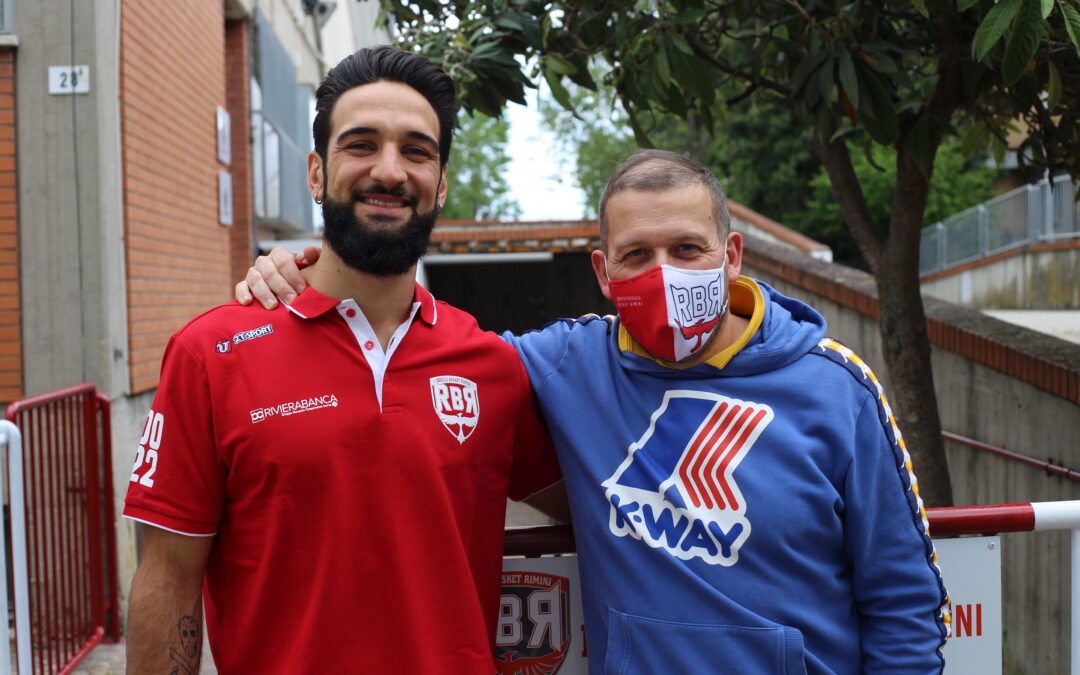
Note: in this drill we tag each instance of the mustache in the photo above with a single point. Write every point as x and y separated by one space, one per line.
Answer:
376 189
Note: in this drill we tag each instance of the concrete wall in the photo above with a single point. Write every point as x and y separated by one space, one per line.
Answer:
71 231
996 383
128 416
1041 276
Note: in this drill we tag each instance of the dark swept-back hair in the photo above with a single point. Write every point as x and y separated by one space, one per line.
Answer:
658 170
386 63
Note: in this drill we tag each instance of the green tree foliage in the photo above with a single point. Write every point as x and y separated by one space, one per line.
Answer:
905 74
596 137
764 155
959 183
476 171
760 151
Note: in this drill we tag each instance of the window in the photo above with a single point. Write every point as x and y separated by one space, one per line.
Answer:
5 16
281 134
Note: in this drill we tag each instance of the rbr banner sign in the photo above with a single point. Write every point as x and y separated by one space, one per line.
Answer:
541 630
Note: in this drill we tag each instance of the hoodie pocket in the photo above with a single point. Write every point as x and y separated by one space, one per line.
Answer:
639 645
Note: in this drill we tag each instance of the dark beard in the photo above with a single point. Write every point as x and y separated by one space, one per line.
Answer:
382 252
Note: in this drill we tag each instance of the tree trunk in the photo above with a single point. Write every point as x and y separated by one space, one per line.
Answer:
904 341
906 348
901 317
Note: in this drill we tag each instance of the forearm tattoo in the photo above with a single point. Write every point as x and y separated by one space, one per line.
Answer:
187 661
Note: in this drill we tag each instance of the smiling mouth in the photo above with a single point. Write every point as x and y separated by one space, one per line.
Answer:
384 202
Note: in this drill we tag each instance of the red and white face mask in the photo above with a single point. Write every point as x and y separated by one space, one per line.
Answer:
671 311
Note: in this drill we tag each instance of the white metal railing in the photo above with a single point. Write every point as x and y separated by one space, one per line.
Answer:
11 437
1028 214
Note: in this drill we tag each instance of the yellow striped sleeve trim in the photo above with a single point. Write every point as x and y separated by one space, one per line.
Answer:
848 355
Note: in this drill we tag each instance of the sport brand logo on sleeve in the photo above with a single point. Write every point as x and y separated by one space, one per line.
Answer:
225 346
676 488
457 404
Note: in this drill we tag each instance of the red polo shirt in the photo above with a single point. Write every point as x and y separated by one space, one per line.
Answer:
357 498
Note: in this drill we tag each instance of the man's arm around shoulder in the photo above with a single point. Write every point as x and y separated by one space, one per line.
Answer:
165 610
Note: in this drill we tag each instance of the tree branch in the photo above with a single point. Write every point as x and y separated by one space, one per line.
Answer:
1048 132
736 100
849 196
754 80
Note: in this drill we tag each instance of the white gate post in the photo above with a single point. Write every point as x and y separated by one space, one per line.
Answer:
12 437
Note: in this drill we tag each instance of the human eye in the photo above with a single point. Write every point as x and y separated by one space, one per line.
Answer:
687 249
418 153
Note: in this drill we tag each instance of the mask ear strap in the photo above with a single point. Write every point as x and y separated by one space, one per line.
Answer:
727 289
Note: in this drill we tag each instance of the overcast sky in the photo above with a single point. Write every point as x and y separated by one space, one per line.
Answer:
534 168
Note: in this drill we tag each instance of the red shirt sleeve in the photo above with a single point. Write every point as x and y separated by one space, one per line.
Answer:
178 481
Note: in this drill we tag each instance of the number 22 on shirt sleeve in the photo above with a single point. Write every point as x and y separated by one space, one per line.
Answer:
148 456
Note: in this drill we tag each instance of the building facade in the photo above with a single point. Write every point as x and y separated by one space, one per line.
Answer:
146 148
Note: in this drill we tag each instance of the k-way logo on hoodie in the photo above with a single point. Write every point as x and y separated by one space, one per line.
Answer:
676 490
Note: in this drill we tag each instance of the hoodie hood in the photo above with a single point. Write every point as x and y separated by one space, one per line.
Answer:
781 330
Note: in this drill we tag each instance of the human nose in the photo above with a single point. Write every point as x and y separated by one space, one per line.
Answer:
389 169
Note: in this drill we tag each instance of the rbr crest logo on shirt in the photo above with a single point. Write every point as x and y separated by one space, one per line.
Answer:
457 404
533 632
676 488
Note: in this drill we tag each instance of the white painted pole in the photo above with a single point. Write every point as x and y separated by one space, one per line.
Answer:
10 434
5 645
1074 614
1063 515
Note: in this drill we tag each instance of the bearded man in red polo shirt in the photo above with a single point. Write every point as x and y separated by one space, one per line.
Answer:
347 518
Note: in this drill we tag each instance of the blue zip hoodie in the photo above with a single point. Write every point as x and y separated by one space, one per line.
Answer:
754 514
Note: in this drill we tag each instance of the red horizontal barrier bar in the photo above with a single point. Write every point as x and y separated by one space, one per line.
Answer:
532 542
981 519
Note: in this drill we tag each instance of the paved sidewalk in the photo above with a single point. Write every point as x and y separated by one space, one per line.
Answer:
105 659
1062 323
108 659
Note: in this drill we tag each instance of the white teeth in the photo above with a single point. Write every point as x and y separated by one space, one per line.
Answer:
376 202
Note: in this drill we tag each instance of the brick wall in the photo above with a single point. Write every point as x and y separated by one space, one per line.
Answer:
238 97
172 78
10 339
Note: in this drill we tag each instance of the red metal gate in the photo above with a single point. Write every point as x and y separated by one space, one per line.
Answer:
70 525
